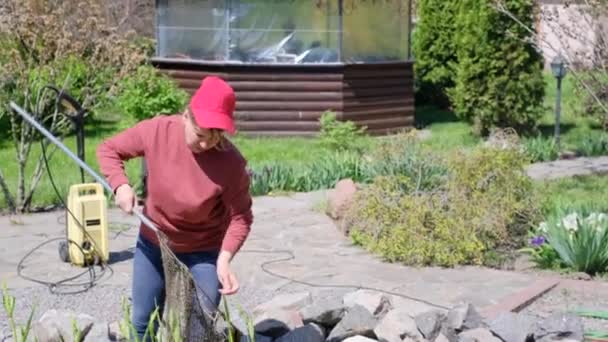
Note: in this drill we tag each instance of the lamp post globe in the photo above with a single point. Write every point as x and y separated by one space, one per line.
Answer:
558 66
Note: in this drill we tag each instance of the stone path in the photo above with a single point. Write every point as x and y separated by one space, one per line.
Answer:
568 168
290 223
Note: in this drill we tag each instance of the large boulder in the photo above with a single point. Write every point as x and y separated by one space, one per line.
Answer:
340 199
376 303
560 327
512 327
396 326
327 312
56 325
308 333
357 321
277 322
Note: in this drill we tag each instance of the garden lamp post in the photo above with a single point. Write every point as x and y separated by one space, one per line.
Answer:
558 68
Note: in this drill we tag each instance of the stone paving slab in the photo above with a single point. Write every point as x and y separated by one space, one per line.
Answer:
284 226
568 168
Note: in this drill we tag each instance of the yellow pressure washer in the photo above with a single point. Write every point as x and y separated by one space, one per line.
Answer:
86 227
86 240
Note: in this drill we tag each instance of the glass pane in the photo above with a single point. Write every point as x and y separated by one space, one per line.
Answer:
250 31
375 31
297 31
192 29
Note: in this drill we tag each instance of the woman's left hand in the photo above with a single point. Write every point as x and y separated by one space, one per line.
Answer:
225 275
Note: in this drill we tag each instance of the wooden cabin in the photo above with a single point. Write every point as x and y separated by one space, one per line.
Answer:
290 61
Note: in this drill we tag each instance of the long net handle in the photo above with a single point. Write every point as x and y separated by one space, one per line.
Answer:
145 220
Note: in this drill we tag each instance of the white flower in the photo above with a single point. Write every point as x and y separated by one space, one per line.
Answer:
597 220
542 227
570 222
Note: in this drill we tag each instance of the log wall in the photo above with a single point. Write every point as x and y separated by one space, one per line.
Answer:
288 100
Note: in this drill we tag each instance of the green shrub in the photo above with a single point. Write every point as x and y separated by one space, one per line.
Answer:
482 207
490 189
498 78
339 135
148 93
434 49
412 228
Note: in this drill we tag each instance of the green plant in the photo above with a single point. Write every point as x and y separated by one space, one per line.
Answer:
20 333
76 332
127 329
338 135
434 49
405 155
540 149
498 78
592 144
580 241
541 253
148 93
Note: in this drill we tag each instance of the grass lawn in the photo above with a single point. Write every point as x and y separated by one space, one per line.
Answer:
575 193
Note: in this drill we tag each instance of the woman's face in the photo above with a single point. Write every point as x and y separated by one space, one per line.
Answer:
198 139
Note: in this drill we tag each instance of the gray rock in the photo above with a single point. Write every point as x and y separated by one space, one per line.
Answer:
277 322
258 338
449 333
559 327
512 327
477 335
464 317
430 322
327 312
415 308
308 333
57 325
397 325
114 332
291 301
359 338
376 303
99 333
441 338
357 321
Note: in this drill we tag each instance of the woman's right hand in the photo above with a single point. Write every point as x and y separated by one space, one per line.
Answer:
125 198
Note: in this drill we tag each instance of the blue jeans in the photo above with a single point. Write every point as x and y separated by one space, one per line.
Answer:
148 280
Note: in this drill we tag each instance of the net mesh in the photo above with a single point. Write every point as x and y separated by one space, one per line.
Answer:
188 313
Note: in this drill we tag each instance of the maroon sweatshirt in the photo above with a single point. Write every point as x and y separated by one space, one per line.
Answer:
200 201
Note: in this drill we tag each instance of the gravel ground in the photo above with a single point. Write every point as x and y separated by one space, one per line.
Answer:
561 300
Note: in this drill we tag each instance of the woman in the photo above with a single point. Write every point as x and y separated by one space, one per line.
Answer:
197 194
